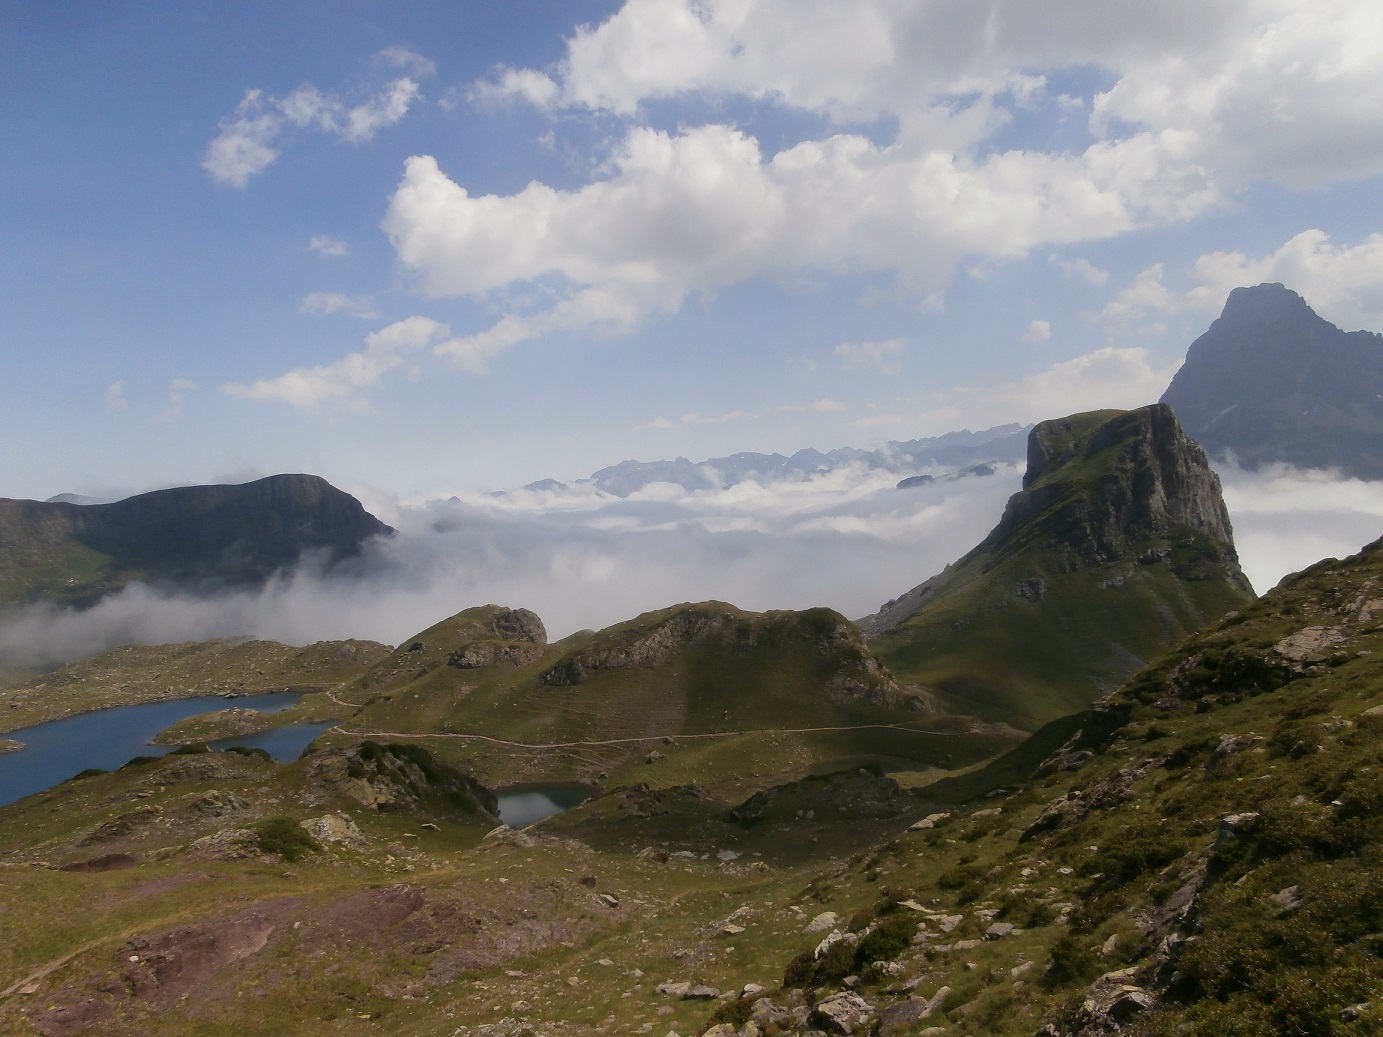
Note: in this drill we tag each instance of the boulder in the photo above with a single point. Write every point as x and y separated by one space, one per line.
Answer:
843 1013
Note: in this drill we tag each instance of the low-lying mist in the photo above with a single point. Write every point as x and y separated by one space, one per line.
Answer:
847 539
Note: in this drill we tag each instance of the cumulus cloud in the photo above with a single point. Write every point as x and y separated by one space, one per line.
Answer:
1184 105
345 380
1344 283
701 209
1037 331
361 306
1116 376
249 141
1259 89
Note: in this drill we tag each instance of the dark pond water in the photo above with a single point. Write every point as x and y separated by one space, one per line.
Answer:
108 738
521 805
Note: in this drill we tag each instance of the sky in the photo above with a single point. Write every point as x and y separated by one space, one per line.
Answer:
444 246
437 249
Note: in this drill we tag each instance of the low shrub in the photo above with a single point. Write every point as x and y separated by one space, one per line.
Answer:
285 837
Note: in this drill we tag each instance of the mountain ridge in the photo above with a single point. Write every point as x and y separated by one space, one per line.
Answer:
214 536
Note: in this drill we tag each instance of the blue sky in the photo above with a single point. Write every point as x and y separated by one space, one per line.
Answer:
432 247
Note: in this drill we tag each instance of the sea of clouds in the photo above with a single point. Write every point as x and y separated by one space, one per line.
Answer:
582 559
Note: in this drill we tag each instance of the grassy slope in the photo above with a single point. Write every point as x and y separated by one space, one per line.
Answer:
1085 894
711 696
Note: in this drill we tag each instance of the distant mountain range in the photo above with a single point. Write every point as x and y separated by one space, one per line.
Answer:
907 458
1272 381
191 535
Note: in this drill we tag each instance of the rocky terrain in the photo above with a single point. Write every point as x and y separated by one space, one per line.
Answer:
787 830
206 537
1195 853
1117 547
1272 381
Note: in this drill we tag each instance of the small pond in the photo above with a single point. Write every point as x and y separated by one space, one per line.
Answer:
109 738
521 805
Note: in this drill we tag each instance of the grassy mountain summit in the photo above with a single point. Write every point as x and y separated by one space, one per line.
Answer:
189 535
698 692
1117 546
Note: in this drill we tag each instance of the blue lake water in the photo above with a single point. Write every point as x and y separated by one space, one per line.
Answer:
523 804
109 738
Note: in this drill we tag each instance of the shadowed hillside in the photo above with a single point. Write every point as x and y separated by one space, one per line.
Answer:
192 536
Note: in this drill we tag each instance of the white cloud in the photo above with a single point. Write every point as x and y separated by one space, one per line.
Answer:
344 380
249 139
1038 331
1286 519
1344 283
1114 377
177 400
1193 103
1257 89
328 246
845 539
244 146
883 355
1081 268
408 61
691 212
116 402
361 306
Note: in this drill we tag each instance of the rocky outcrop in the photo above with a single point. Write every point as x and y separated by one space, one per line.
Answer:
1272 381
653 639
1099 487
397 778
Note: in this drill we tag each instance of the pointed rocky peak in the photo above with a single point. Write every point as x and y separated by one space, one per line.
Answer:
1271 380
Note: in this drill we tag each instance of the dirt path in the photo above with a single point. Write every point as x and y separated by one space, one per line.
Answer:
643 738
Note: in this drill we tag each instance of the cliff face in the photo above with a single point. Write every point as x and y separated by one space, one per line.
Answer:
1117 546
1270 380
1104 485
191 534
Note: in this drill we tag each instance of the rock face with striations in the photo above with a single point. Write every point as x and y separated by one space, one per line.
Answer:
1117 546
1272 381
217 535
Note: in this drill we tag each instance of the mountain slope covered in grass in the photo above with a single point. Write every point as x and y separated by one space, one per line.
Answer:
1117 547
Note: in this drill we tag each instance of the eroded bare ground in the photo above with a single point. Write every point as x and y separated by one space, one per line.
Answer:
399 941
